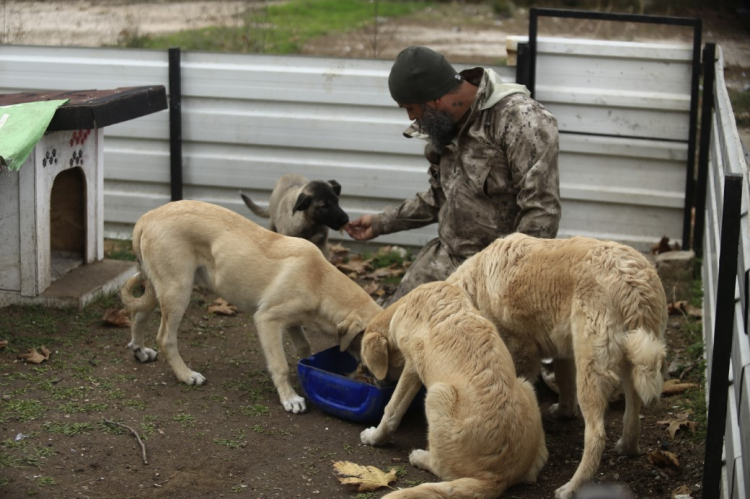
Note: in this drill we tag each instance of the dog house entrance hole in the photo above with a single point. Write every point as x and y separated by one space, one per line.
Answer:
67 221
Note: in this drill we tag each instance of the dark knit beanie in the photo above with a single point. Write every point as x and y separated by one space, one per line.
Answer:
420 75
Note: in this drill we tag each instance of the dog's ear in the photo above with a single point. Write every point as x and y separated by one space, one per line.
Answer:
348 331
375 354
336 187
303 203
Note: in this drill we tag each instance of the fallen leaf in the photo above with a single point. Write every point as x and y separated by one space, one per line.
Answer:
675 424
338 249
3 343
662 246
675 386
394 270
685 308
34 357
221 306
664 459
117 317
365 477
355 265
371 288
682 492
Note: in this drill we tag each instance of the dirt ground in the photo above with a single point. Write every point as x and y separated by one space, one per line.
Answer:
232 436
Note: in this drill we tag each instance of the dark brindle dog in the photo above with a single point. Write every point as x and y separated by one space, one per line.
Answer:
300 208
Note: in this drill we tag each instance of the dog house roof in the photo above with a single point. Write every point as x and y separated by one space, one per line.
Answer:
88 109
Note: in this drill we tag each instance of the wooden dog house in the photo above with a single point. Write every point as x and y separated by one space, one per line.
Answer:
52 208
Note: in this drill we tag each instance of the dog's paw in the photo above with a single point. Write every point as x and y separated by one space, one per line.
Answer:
624 449
144 354
371 436
295 404
565 492
559 411
420 458
195 378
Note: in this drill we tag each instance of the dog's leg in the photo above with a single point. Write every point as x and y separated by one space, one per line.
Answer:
406 389
300 341
565 377
631 422
140 352
173 307
422 459
594 387
271 332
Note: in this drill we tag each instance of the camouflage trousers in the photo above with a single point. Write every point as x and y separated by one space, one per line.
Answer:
432 263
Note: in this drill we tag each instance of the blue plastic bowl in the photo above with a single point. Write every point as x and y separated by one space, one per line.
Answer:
324 381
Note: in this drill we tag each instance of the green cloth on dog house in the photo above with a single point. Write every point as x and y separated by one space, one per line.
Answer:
21 127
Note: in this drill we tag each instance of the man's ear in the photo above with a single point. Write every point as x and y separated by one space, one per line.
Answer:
336 187
303 203
375 354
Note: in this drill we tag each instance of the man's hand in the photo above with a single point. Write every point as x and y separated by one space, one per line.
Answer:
361 228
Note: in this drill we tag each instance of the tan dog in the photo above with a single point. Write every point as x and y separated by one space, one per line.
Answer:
485 429
285 281
597 307
305 209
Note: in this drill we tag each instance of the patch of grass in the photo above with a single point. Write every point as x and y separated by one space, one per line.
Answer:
76 408
740 106
281 28
234 443
76 392
12 444
117 249
22 410
400 470
44 451
46 481
365 495
186 420
254 410
387 258
4 481
696 292
116 394
69 429
135 404
110 429
258 428
147 429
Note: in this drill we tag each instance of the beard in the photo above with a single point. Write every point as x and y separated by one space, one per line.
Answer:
439 126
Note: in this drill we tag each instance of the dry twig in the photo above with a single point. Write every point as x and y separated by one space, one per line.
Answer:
143 446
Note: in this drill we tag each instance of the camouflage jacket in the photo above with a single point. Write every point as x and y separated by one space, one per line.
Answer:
498 176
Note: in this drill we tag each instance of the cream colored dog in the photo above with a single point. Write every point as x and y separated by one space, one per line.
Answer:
597 307
485 430
286 282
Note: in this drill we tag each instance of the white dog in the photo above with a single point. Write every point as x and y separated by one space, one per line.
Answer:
285 281
485 430
597 307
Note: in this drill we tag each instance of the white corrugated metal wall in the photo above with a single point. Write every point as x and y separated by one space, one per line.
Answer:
726 157
247 119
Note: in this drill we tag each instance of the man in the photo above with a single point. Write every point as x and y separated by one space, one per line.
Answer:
492 151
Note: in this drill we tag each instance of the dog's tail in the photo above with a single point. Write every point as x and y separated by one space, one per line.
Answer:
147 301
462 488
647 355
254 207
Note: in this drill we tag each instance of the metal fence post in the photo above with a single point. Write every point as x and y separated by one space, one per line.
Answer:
175 123
707 106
